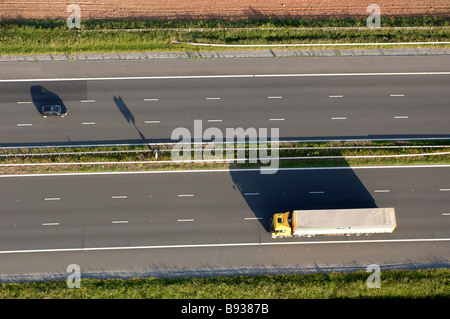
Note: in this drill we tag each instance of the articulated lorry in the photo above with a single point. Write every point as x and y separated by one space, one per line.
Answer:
307 223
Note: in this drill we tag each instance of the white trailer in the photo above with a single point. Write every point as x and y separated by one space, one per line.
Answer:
333 222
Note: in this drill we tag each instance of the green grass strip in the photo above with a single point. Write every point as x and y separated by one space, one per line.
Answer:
432 283
53 36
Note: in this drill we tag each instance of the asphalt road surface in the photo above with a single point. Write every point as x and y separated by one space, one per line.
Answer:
219 220
318 105
214 219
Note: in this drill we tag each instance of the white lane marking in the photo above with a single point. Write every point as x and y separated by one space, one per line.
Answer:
213 98
24 124
24 102
284 141
120 221
50 224
444 189
397 95
147 100
251 194
280 119
186 195
119 197
337 96
445 214
317 192
87 101
88 123
274 97
272 243
194 171
213 121
52 198
339 118
253 218
401 117
152 122
171 77
382 191
185 220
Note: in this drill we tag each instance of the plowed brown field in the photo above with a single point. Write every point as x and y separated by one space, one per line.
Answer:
218 9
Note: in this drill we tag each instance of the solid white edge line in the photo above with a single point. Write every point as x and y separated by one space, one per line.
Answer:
345 242
227 170
281 141
224 76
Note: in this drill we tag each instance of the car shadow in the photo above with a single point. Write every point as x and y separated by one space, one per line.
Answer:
41 96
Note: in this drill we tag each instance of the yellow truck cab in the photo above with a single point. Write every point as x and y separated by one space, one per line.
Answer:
280 226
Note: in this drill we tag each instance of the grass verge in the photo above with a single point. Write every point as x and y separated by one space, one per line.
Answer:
140 158
106 36
432 283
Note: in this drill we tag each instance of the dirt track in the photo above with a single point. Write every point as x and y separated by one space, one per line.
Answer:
218 9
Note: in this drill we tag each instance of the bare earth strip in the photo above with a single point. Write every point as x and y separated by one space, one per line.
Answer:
218 9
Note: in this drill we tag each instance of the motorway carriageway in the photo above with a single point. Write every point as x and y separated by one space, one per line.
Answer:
148 109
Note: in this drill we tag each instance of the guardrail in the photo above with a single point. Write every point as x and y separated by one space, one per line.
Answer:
225 160
262 29
162 150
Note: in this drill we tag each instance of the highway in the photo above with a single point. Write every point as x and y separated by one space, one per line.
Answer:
180 217
219 219
319 105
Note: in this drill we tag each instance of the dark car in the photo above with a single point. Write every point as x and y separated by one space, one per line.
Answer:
53 110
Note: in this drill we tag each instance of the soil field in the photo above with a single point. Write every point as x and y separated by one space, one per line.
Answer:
218 9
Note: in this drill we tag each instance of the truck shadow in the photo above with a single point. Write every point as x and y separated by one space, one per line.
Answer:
300 189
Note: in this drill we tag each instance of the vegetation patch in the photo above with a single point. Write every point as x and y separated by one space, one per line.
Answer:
432 283
108 36
147 157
